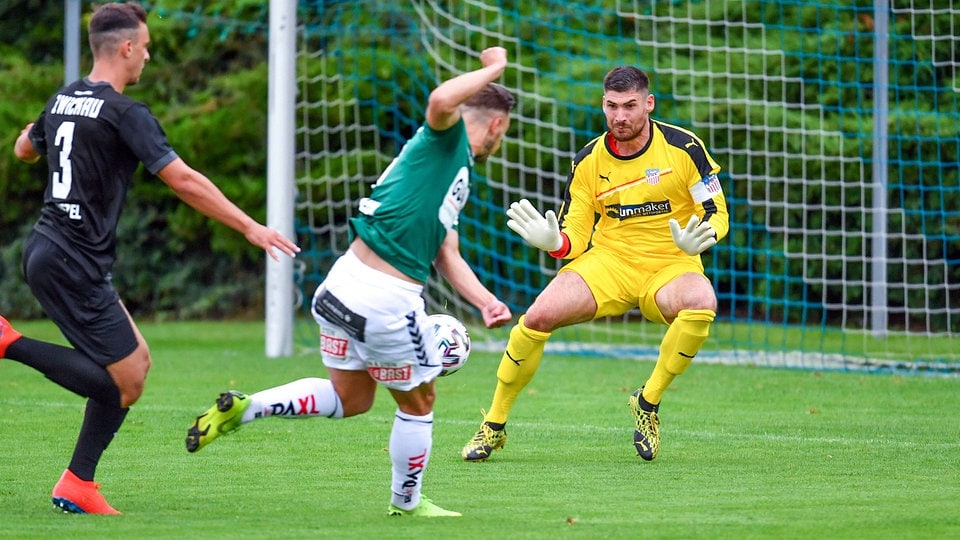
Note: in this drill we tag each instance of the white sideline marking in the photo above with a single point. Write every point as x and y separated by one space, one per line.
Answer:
804 360
189 413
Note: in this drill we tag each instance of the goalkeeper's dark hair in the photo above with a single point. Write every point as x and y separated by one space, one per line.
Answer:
492 97
113 23
626 79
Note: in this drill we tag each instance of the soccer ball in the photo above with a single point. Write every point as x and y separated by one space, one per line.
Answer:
453 342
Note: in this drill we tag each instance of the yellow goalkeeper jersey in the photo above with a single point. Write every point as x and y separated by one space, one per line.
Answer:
624 203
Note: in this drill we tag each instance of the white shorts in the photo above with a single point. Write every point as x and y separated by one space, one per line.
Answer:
374 322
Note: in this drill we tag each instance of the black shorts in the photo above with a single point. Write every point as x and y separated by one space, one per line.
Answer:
88 312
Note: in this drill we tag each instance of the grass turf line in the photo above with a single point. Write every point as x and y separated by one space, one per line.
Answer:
747 453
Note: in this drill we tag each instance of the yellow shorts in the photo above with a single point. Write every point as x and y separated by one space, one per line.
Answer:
619 285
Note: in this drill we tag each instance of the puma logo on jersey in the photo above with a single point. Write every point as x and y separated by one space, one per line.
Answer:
605 178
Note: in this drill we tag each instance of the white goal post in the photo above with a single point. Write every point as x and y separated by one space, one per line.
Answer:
281 96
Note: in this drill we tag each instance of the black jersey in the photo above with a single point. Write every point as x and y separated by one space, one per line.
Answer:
93 138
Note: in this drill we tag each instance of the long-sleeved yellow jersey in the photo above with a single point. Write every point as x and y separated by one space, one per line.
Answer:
624 203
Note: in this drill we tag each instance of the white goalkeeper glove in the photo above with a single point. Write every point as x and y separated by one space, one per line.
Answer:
539 231
695 237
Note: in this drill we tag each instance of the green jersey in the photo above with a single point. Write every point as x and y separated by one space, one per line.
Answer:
417 199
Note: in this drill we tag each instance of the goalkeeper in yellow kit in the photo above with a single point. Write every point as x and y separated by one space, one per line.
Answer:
641 204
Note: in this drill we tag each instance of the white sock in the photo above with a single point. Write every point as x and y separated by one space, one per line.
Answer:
299 399
410 444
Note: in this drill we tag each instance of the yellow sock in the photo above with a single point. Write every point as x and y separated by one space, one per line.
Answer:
517 366
680 344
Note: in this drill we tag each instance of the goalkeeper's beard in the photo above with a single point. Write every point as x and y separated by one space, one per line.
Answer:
624 133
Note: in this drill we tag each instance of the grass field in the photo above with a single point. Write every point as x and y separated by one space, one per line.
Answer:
747 453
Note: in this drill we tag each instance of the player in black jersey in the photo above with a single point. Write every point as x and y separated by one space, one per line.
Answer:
94 137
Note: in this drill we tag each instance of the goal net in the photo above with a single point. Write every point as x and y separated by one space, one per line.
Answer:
842 179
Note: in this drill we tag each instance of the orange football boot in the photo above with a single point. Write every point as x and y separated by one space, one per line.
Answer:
76 496
7 336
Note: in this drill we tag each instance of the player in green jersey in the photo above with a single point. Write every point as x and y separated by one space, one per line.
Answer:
373 325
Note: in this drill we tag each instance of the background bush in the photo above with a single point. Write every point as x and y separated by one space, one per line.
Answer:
208 87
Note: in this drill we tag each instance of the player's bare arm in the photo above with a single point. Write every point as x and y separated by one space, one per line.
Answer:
449 262
23 148
443 107
203 195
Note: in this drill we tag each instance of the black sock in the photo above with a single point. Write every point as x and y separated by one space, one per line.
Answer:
646 405
100 424
67 367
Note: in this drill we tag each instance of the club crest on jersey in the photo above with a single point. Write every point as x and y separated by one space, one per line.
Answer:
653 176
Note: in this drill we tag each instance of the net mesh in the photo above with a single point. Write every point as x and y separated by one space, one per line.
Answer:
783 93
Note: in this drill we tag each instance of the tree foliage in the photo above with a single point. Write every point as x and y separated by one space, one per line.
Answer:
207 83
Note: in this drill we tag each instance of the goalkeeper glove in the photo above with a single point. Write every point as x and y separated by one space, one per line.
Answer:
541 232
695 237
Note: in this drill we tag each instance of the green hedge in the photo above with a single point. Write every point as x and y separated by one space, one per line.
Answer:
209 90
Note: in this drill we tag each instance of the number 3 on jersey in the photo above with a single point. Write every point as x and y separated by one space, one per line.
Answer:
62 180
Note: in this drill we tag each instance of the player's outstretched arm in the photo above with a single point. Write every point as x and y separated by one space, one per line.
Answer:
449 262
203 195
443 107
